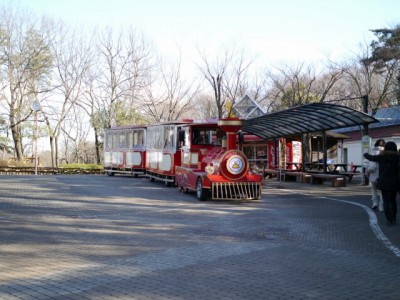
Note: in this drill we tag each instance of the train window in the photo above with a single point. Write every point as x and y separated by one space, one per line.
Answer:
208 136
122 139
186 157
130 138
219 136
181 137
201 137
141 137
108 140
158 139
138 137
155 138
249 151
169 137
184 137
115 139
151 138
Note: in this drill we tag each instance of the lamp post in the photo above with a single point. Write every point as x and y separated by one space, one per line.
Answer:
365 141
36 108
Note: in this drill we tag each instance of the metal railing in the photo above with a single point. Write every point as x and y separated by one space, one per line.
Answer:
235 190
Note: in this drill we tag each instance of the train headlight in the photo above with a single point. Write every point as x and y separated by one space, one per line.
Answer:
235 164
210 169
255 169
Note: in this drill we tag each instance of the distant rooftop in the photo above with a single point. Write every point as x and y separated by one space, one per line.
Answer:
247 108
387 117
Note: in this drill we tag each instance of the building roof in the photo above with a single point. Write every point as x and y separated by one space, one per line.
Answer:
386 116
314 117
247 108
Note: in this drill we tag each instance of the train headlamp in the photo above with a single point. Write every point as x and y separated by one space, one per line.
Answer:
210 169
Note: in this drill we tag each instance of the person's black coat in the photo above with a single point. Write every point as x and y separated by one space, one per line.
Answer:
388 170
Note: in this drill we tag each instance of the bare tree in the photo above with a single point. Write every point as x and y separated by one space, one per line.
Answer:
115 85
170 97
236 81
75 132
72 59
124 61
214 75
301 84
26 63
260 90
365 77
204 107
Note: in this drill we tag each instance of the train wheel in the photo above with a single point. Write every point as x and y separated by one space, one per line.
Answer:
200 192
167 183
134 175
110 173
152 179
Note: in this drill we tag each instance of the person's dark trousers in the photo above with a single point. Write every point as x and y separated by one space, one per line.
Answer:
390 204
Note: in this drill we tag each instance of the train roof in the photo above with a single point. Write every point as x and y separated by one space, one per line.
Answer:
125 127
200 122
191 122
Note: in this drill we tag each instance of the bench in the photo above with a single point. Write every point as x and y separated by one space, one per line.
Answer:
349 174
296 176
306 178
292 176
336 180
270 173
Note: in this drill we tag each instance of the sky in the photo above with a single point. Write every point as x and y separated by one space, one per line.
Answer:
272 32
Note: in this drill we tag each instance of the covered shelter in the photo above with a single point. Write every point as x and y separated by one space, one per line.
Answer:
310 118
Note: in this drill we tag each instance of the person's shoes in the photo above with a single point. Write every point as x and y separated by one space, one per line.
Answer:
389 223
374 206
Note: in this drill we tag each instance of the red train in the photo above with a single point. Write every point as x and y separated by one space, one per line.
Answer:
198 156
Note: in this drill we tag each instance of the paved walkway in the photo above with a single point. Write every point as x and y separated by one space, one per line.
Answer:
99 237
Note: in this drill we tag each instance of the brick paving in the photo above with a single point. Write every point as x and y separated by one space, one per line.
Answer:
99 237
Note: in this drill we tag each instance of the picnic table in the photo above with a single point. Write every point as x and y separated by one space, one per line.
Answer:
290 164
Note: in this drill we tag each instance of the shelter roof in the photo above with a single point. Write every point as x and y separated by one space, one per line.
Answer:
314 117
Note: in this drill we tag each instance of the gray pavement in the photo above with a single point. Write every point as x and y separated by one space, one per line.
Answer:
99 237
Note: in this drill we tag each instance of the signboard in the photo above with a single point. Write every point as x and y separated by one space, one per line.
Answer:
35 105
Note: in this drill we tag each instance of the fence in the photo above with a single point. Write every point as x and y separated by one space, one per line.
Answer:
47 171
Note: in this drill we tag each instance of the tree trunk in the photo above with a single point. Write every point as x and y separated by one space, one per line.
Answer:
56 150
15 132
52 152
97 146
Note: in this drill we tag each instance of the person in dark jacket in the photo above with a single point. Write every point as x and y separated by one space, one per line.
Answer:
388 160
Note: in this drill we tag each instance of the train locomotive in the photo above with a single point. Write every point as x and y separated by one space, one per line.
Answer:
215 168
200 156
